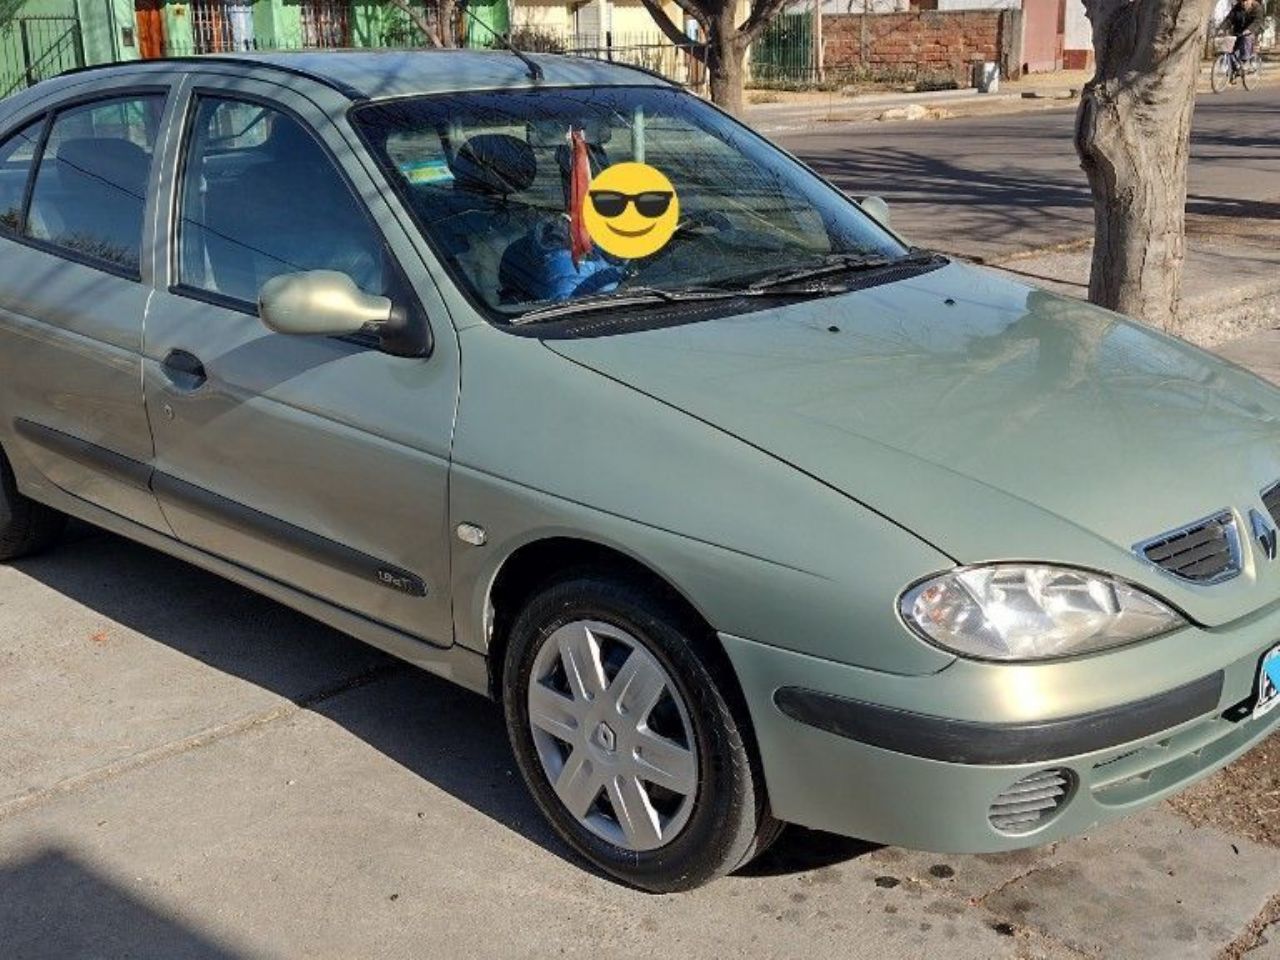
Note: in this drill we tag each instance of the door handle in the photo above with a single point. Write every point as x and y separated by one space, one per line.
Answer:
184 370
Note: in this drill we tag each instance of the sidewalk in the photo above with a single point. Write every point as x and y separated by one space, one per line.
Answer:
1230 286
775 112
191 772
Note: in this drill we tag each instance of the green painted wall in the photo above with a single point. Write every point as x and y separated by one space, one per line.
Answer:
278 24
495 14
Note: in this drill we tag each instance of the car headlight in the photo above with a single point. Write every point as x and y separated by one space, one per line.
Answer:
1018 611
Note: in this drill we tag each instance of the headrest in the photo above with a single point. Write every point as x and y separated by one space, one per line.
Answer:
494 163
287 140
117 161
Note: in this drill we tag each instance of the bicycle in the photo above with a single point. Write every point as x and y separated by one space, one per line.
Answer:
1229 67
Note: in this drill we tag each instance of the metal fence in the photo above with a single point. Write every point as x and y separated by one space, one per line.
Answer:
651 51
33 48
783 53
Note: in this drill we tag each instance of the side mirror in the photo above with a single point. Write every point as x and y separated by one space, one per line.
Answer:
878 210
321 303
326 303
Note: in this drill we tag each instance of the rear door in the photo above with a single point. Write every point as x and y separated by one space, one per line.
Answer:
75 185
319 462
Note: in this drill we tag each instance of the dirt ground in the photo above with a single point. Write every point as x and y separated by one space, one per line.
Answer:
1243 799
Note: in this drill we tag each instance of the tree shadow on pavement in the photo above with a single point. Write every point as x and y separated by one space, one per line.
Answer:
449 737
442 733
51 905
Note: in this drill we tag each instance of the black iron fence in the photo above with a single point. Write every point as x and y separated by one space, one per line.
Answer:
33 48
648 50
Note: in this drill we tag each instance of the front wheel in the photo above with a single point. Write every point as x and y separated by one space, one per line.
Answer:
1251 72
1220 74
626 739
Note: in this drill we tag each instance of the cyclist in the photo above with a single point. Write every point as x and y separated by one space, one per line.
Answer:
1244 21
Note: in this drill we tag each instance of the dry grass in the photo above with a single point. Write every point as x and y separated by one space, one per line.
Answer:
1243 799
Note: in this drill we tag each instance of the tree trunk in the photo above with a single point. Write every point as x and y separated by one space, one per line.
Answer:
447 11
1133 134
725 55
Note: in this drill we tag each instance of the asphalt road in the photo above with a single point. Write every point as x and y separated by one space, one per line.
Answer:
991 186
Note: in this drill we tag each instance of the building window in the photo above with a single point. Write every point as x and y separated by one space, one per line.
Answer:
218 26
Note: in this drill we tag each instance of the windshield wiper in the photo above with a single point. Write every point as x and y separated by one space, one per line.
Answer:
833 264
628 297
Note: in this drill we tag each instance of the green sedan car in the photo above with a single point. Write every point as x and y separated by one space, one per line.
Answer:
775 520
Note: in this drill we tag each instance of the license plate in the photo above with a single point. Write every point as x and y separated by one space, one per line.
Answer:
1269 684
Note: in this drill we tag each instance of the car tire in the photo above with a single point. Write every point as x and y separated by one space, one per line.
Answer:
710 816
26 527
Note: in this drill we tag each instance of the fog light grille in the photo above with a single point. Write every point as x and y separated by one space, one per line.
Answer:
1032 801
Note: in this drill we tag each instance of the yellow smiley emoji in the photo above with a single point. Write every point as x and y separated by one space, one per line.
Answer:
631 210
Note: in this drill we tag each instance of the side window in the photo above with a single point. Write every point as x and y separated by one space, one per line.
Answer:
261 198
16 156
91 187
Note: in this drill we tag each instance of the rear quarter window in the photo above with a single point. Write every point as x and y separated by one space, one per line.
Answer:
16 156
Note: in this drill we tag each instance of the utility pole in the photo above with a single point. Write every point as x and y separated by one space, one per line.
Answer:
819 66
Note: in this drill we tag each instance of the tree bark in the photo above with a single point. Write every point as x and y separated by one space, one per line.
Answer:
1133 134
724 61
727 42
447 14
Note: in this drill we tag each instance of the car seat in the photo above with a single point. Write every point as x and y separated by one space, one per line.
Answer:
96 200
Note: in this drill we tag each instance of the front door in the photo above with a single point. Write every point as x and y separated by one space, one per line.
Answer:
149 15
319 462
1043 30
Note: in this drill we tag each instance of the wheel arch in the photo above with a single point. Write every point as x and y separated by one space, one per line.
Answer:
537 563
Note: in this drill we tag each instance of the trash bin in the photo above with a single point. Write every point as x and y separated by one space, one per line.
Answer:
986 77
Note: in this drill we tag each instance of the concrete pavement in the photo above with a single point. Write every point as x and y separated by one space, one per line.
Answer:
190 771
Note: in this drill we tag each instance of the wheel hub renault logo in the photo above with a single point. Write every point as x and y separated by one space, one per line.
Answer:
1264 532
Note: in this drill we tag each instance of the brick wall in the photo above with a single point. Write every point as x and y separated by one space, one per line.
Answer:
919 43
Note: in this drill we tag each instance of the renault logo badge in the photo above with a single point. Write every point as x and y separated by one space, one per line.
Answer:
1264 532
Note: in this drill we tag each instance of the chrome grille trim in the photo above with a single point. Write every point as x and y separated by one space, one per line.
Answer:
1205 552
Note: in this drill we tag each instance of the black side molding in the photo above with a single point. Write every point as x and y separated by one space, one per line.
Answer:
115 465
255 523
972 742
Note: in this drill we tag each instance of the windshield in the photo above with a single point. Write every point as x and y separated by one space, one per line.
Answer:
526 196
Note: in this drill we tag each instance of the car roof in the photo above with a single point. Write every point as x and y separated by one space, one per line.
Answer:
377 74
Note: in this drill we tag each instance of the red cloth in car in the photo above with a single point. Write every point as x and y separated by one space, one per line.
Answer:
579 180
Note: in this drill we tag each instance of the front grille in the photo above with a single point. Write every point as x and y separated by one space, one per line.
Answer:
1031 801
1271 500
1207 551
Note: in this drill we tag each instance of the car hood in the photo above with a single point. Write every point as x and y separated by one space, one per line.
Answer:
992 419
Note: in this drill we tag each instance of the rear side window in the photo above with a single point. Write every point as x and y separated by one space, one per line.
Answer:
16 156
91 187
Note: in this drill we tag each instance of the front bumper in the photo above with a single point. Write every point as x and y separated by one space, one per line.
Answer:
919 761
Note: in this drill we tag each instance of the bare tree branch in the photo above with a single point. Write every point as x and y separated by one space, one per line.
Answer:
673 32
419 20
693 9
762 13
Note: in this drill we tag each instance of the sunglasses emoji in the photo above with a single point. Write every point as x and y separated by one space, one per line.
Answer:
632 210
